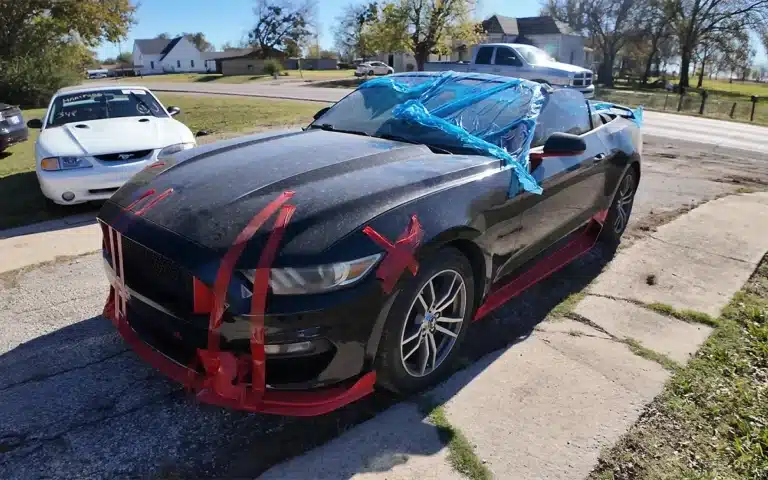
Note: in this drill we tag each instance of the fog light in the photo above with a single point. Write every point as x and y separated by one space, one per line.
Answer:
288 348
68 196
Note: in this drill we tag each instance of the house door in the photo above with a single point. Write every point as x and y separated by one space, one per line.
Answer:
391 60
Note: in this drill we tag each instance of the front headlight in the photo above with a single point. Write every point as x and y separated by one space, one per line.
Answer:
51 164
319 279
175 148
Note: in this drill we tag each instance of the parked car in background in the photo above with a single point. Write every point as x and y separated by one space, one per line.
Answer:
373 68
12 127
289 272
522 61
93 140
100 73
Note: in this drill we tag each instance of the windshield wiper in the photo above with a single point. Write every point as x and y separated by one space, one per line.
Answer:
330 128
398 138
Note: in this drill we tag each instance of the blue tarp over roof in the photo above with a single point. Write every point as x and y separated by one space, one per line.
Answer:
488 113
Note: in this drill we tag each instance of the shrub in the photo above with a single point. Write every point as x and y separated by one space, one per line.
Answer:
30 81
272 67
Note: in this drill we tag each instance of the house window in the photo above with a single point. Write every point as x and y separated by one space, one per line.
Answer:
192 63
178 63
152 65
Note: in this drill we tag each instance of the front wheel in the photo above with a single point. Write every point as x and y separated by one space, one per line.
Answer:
427 324
620 210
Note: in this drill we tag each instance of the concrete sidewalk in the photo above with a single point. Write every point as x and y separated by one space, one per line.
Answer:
545 407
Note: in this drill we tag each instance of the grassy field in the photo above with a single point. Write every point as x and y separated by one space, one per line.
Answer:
711 421
24 204
218 78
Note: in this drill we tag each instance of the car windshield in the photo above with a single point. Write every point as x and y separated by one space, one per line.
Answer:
533 55
494 117
103 104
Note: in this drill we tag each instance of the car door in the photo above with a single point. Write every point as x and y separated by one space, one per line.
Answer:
506 62
483 59
379 68
573 185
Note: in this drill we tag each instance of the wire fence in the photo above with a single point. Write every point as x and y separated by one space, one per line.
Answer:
741 108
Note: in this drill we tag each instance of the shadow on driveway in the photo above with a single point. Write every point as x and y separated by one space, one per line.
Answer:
77 403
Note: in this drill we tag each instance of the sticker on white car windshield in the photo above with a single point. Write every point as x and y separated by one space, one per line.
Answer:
137 92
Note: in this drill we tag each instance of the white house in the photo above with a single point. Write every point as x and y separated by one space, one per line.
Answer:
159 55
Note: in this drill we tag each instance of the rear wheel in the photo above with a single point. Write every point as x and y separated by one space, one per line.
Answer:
427 324
621 209
371 73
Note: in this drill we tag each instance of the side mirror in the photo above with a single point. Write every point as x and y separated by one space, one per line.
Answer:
173 111
202 133
563 144
35 123
321 112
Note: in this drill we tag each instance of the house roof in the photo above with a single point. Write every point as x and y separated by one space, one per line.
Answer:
526 26
231 53
157 46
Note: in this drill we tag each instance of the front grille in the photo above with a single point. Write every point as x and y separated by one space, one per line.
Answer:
157 278
124 156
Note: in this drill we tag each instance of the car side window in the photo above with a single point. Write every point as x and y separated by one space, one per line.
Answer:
506 56
484 55
565 111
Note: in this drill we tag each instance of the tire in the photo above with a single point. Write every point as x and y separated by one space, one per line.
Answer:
371 73
421 369
621 209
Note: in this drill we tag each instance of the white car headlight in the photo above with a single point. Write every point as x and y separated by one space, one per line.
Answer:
175 148
319 279
51 164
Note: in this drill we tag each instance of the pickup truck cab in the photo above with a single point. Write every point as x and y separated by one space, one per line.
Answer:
522 61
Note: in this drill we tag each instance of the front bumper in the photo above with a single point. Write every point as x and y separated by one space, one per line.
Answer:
12 137
88 184
175 340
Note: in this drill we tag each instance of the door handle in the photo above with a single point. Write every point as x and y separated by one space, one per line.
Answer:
599 158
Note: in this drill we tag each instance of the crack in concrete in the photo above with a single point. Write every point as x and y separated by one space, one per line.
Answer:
41 377
698 250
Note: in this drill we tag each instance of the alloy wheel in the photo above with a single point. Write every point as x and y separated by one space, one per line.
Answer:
433 323
623 204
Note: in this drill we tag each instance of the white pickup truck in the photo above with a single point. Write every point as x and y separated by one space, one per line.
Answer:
521 61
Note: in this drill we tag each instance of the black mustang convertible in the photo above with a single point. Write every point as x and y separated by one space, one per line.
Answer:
293 272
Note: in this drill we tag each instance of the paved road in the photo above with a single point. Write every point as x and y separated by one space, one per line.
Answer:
663 125
76 403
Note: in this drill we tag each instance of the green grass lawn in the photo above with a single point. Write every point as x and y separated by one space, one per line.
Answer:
711 420
218 78
24 204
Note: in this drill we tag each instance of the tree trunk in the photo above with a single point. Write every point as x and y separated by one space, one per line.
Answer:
421 59
685 65
648 67
701 74
606 68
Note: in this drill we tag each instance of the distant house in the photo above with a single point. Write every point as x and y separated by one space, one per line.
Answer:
550 35
246 61
160 55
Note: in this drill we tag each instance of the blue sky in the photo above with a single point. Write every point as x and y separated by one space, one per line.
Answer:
229 20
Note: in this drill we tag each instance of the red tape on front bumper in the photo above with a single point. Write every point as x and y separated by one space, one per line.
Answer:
222 381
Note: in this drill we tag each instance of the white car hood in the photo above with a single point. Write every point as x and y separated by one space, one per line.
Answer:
567 67
113 135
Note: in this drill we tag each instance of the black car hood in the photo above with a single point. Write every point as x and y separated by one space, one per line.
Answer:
340 181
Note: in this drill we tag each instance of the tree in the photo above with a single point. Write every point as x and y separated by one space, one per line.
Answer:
349 34
695 19
657 31
278 21
423 27
125 58
199 40
164 36
610 23
44 44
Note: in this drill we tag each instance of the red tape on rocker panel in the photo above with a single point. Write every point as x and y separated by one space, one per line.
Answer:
577 247
217 386
399 255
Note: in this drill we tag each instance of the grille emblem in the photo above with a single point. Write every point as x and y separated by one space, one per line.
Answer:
125 156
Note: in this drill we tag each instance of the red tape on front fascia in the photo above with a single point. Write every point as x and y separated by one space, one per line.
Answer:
400 255
217 385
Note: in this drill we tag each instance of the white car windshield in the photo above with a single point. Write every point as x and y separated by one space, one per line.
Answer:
533 55
103 104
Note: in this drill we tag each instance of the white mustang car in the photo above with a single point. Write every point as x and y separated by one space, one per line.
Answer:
95 139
